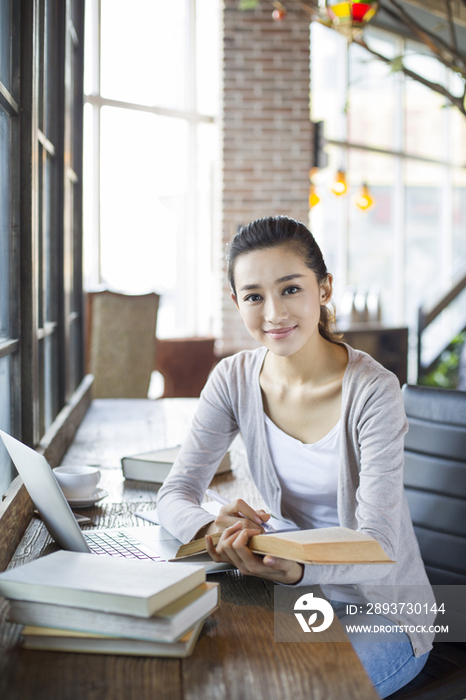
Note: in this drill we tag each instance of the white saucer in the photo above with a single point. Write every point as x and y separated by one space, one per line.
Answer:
89 500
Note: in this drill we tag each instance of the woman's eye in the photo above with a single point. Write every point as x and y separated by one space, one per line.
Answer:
291 290
253 297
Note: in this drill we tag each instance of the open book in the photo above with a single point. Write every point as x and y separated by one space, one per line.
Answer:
327 545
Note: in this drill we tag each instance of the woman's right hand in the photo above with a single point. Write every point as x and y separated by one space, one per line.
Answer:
233 512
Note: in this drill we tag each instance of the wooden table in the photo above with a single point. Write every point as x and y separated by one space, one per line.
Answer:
236 657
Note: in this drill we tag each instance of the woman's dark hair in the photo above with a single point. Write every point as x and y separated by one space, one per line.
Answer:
273 231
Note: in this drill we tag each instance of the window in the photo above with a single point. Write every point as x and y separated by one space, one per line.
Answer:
41 319
151 154
410 148
9 231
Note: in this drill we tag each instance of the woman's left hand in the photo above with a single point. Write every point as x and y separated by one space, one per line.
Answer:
232 548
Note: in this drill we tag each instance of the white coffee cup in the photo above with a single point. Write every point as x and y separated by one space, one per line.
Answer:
77 482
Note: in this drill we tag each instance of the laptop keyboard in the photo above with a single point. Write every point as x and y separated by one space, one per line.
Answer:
119 544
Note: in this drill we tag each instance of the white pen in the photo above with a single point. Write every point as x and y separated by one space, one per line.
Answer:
224 501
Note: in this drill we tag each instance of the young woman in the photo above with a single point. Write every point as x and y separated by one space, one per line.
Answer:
323 426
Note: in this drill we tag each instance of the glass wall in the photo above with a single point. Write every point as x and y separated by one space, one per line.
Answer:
372 95
401 139
371 245
423 240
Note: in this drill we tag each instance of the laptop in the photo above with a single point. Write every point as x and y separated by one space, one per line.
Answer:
153 542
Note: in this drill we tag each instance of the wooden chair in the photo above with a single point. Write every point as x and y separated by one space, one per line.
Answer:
185 364
121 343
435 482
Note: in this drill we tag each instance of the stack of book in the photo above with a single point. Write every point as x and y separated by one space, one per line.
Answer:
70 601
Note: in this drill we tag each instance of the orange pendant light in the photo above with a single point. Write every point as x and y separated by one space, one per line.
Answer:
340 186
364 200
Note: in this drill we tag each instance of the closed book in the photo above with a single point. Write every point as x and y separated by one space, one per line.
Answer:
129 586
326 545
155 466
49 639
167 625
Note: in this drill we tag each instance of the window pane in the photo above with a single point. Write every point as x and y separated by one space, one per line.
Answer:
50 383
89 58
91 250
423 242
457 133
5 67
371 247
4 224
48 379
371 94
74 359
448 324
6 473
328 220
328 49
144 51
145 228
49 72
425 113
207 256
208 35
50 252
459 218
42 200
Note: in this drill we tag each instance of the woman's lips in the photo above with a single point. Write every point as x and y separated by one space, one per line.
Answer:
278 333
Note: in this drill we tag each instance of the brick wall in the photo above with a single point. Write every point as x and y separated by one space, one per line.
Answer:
267 131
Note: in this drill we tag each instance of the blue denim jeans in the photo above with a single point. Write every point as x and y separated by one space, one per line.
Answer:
387 657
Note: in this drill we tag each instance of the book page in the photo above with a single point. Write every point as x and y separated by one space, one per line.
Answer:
323 534
166 455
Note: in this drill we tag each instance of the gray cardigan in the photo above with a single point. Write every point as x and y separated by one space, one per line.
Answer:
370 495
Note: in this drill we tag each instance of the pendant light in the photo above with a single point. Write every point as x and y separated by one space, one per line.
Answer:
348 18
314 198
364 200
340 186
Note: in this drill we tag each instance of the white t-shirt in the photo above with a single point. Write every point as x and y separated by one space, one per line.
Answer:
308 475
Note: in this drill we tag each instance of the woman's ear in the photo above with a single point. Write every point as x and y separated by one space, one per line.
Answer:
235 300
326 289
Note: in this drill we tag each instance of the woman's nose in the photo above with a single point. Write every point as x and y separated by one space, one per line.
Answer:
275 311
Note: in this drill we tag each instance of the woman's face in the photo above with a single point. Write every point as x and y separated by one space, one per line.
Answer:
279 298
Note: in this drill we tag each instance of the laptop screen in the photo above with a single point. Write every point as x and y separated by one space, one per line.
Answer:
46 494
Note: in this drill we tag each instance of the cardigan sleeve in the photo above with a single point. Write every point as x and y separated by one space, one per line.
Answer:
213 429
376 493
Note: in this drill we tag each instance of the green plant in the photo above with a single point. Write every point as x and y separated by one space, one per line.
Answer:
445 372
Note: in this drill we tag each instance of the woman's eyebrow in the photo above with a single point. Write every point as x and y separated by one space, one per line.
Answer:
249 286
256 285
287 278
